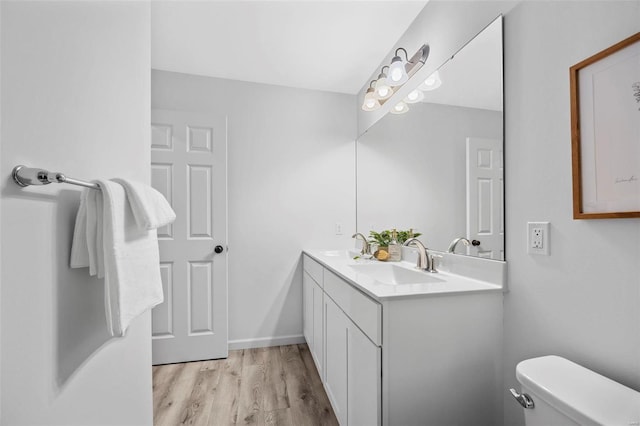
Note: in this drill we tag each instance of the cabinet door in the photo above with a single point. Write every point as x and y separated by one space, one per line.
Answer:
307 309
363 378
336 328
318 328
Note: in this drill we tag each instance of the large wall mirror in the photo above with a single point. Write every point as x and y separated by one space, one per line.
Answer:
438 168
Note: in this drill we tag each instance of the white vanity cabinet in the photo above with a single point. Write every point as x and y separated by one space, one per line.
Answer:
415 359
335 379
307 309
313 311
352 368
364 373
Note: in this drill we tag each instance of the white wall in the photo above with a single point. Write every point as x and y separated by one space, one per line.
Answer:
75 98
446 26
582 302
412 170
291 178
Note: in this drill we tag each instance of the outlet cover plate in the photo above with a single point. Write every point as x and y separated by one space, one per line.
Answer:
538 238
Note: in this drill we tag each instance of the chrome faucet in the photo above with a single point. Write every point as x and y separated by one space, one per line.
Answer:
366 247
454 243
424 260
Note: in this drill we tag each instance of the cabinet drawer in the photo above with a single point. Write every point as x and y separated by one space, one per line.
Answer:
363 311
313 268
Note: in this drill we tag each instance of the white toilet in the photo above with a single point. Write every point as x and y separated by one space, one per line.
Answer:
562 392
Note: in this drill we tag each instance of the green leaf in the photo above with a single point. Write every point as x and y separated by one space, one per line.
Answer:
383 238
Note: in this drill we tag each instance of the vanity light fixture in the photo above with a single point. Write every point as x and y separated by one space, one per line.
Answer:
432 82
382 89
397 72
400 108
371 103
414 96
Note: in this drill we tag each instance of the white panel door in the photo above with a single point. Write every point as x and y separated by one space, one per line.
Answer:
485 214
189 167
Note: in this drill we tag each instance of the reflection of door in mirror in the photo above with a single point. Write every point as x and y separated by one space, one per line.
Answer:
412 168
485 221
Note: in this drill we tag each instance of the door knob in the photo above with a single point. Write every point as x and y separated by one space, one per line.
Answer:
218 249
475 243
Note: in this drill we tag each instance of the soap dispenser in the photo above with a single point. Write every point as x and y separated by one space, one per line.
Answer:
395 249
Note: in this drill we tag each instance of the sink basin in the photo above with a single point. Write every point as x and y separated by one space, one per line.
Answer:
387 273
349 254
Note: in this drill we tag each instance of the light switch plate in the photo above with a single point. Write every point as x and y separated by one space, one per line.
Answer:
538 238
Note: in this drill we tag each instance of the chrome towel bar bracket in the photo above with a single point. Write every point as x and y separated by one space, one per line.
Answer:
27 176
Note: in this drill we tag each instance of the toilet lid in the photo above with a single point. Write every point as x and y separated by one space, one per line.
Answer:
581 394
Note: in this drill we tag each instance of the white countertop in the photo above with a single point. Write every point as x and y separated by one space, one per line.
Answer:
341 261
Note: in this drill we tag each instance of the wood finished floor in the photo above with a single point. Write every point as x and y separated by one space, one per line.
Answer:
266 386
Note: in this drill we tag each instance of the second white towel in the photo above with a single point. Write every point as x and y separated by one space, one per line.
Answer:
149 206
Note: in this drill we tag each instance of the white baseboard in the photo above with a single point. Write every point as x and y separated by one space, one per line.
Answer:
265 342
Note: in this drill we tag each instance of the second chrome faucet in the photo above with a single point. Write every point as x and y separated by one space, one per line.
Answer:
425 261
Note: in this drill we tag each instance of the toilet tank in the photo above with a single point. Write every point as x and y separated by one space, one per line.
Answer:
565 393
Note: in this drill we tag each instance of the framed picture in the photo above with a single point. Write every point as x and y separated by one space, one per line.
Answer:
605 132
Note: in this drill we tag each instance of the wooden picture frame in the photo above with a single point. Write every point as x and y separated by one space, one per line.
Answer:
605 122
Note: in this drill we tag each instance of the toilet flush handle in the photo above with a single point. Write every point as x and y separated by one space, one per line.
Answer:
524 399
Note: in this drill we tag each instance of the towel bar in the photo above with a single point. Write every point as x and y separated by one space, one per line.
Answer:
26 176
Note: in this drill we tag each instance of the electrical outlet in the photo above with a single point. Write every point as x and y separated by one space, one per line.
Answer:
338 228
538 238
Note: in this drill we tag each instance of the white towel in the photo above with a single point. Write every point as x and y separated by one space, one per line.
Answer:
79 248
131 260
149 206
108 239
95 245
87 249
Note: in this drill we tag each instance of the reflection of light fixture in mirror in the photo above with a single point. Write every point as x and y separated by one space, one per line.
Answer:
382 89
414 96
397 72
399 108
401 72
370 103
432 82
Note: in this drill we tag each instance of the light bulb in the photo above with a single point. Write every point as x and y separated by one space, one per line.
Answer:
382 90
397 73
414 96
370 102
432 82
399 108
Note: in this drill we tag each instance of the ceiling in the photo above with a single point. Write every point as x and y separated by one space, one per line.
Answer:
321 45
